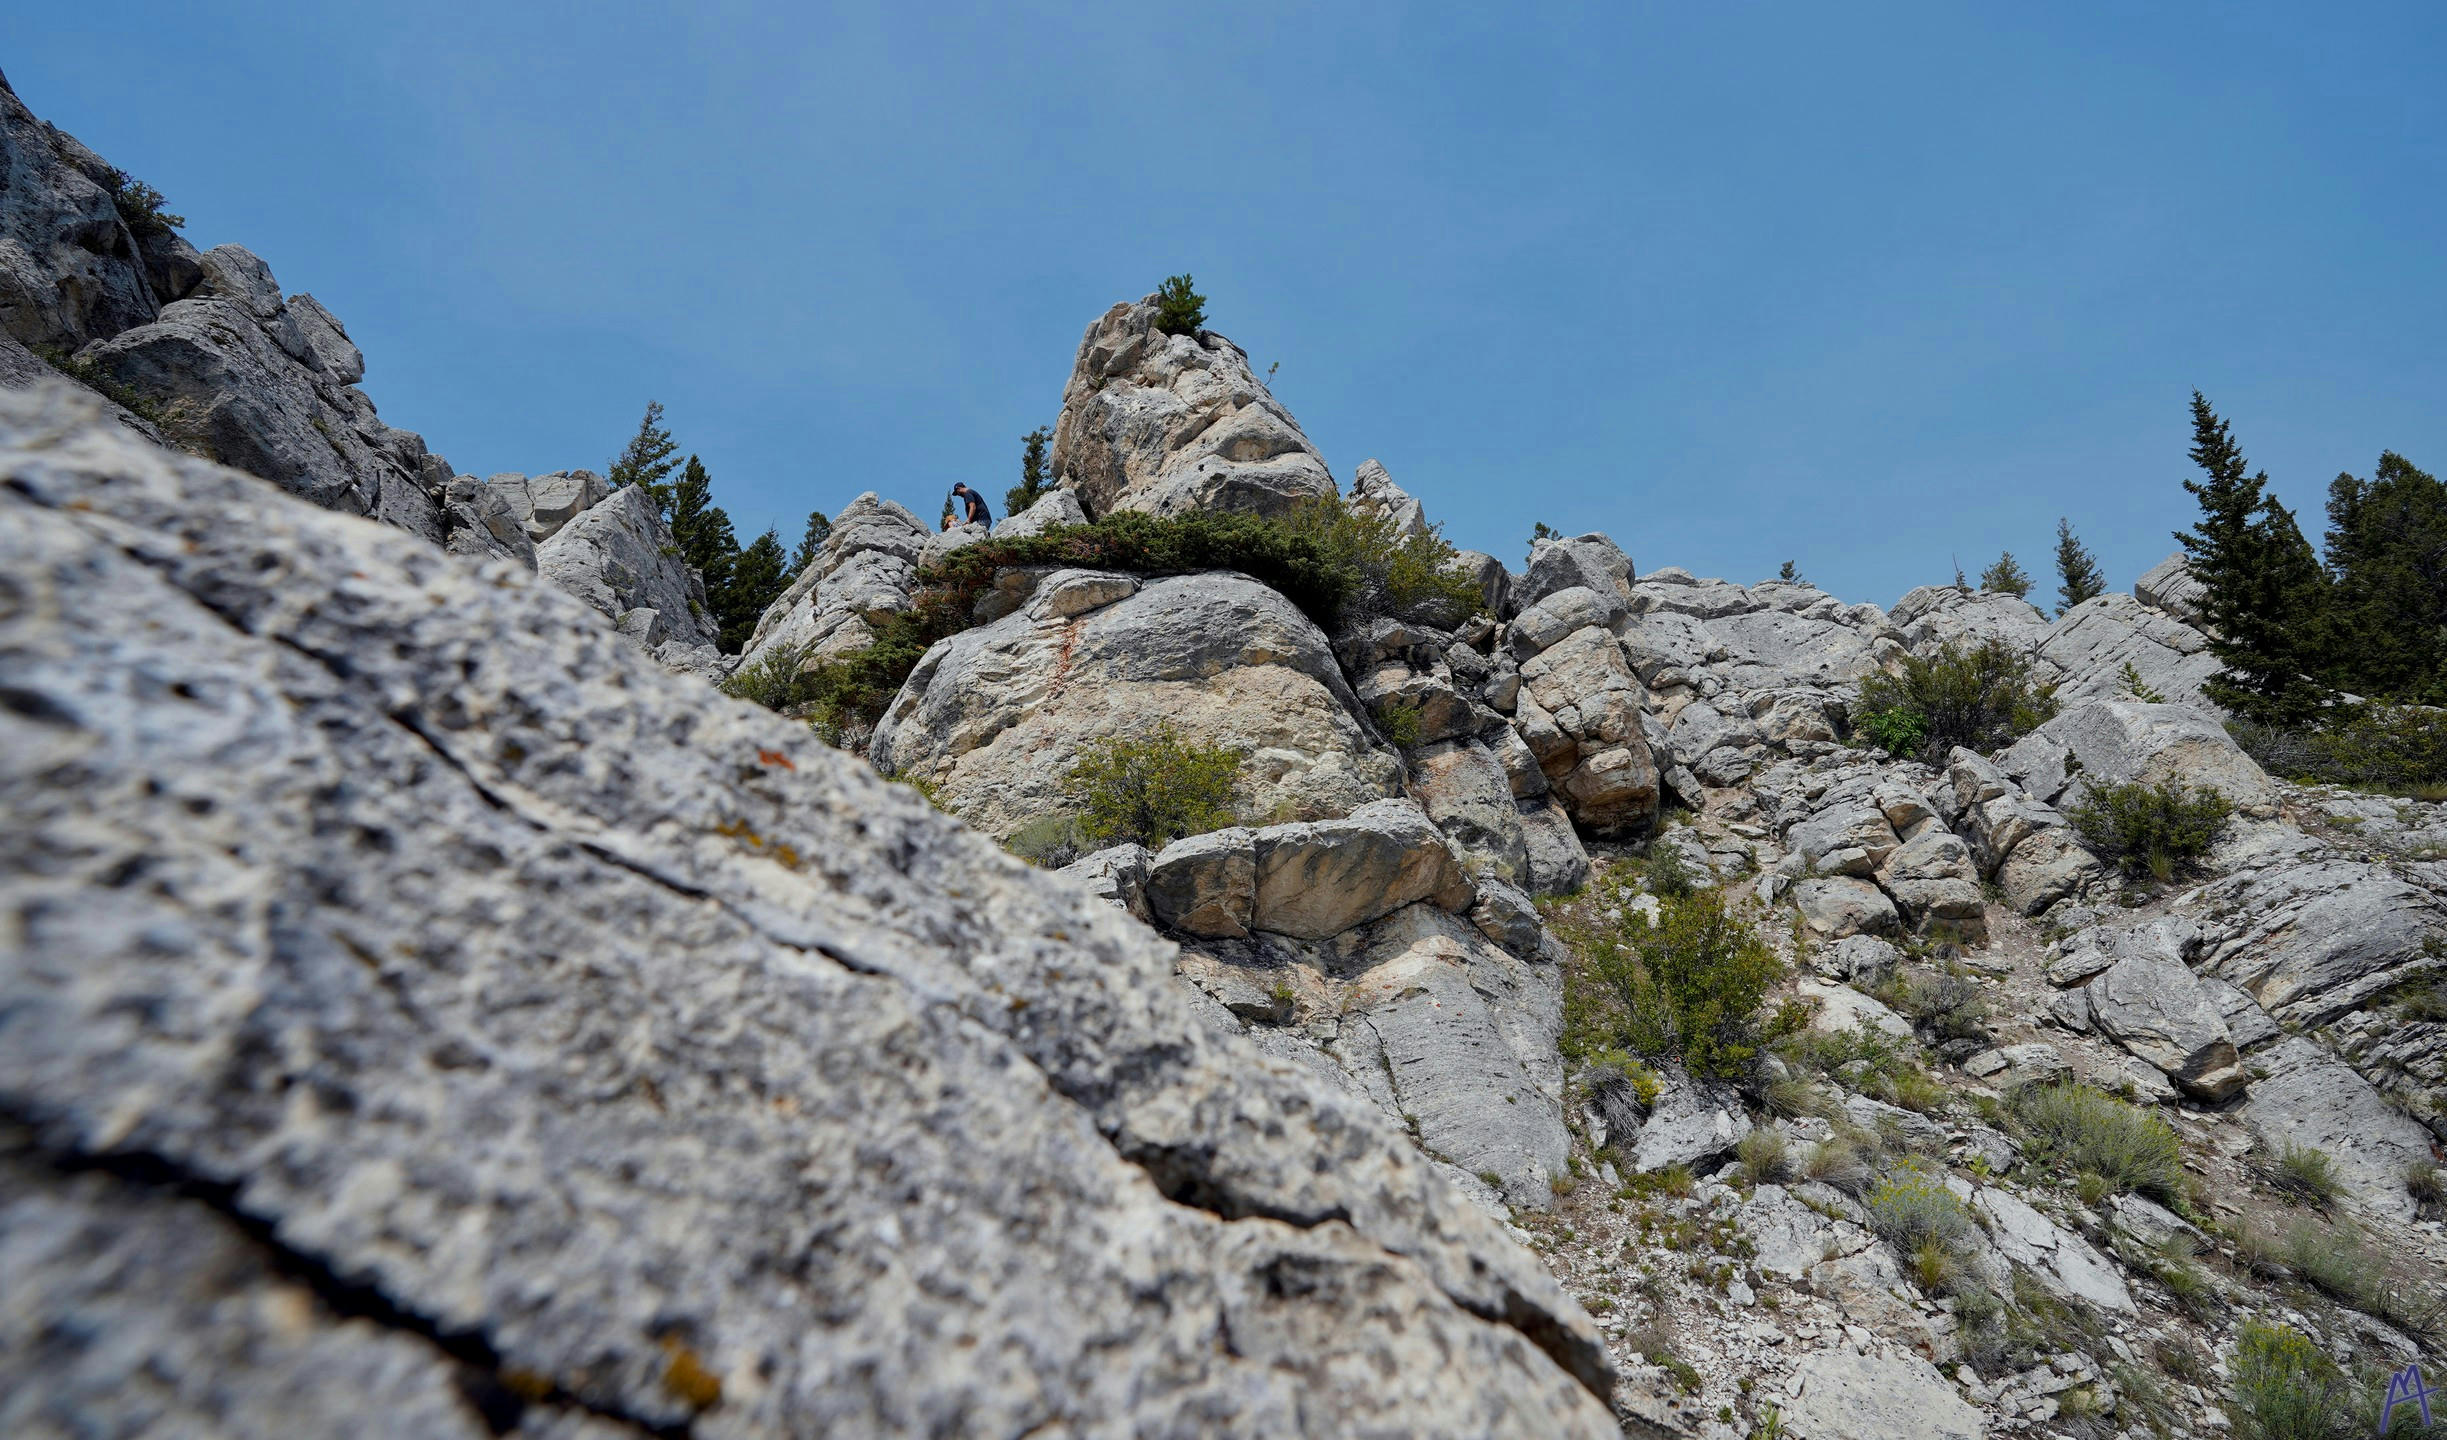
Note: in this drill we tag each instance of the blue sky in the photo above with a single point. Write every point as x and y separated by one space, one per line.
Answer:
1870 287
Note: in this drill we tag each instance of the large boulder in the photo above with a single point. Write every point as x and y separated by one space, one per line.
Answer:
994 716
2159 1010
1591 562
616 1055
71 271
1935 616
1053 510
239 374
863 572
1579 712
1841 1395
1468 793
1171 424
2099 743
2093 643
542 504
1314 881
619 557
2170 586
1374 493
2307 1097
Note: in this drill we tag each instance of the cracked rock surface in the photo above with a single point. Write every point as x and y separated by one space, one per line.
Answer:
380 917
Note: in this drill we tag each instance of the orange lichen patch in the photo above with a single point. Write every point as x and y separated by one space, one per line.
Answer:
774 757
526 1384
785 855
686 1377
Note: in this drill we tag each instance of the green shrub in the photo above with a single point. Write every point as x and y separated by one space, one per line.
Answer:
1668 874
1983 698
2087 1129
1688 988
1945 1007
1048 842
2333 1257
776 680
1912 1205
2156 830
2305 1174
1329 568
2427 1184
1180 310
139 205
2285 1389
1035 475
1398 719
1762 1154
2395 749
1152 789
2006 577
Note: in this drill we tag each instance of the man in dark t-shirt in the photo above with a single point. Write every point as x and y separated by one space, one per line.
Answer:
971 505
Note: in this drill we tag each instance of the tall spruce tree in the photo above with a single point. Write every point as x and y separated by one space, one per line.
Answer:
1033 472
702 531
810 541
646 459
2263 592
2077 570
2387 547
758 577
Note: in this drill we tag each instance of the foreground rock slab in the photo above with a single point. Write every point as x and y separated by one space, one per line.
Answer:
386 920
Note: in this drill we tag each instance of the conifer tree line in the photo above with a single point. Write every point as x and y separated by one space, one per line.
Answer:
740 582
2298 631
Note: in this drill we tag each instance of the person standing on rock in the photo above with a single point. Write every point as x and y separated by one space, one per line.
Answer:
976 512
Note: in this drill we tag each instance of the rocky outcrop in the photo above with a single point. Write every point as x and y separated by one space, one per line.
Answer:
2169 586
2154 1006
864 571
71 270
622 1053
1170 424
2307 1097
1936 616
1053 510
993 717
2103 742
619 558
541 504
2094 642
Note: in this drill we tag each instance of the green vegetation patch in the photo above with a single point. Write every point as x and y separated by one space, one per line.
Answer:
1983 698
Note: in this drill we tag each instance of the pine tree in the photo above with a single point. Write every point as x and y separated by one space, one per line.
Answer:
818 528
2387 546
1790 571
1180 310
646 459
2076 568
2263 592
758 577
2006 577
702 531
1033 473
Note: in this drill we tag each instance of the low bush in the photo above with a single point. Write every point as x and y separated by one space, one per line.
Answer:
2083 1128
139 205
1152 789
776 680
2157 831
1331 561
1944 1007
1688 989
1048 842
1668 874
2305 1175
2334 1258
2395 749
2284 1388
1983 698
1911 1207
93 377
1837 1161
1762 1153
1180 309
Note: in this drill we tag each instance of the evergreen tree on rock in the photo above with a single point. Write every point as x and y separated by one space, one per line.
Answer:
2077 570
758 577
646 459
2006 577
2387 546
810 541
702 530
1033 475
2263 592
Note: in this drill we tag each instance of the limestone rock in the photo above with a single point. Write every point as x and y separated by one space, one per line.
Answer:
620 559
1842 1009
1597 759
2169 585
995 716
942 543
1170 424
71 272
2103 742
1317 880
1835 908
402 910
2062 1260
1847 1396
1053 510
541 504
1206 884
2154 1007
2092 643
1467 792
1118 876
1935 616
864 571
1558 865
1374 493
2312 1099
1589 561
1693 1120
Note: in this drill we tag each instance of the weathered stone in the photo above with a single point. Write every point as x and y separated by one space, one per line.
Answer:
2062 1260
1839 1395
1507 916
541 504
2091 644
1861 959
2154 1225
2010 1067
1693 1120
1317 880
1465 789
864 571
619 557
2100 742
1374 493
1590 560
71 271
433 939
1118 876
1934 616
1842 1009
2169 585
1558 865
1835 908
1170 424
2154 1007
1206 884
1551 619
995 716
2309 1098
1053 510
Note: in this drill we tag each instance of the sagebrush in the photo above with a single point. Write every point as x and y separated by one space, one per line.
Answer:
1984 698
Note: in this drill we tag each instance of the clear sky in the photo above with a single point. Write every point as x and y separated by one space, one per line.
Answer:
1870 287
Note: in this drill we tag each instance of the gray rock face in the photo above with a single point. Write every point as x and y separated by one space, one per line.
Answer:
1579 712
2092 643
687 1067
620 559
1053 510
1836 908
2169 586
1374 493
1465 789
2154 1007
2062 1260
995 716
1693 1120
864 571
1935 616
1170 424
240 375
541 504
2100 742
71 272
2310 1098
1206 884
1558 863
1316 881
1844 1396
1591 562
